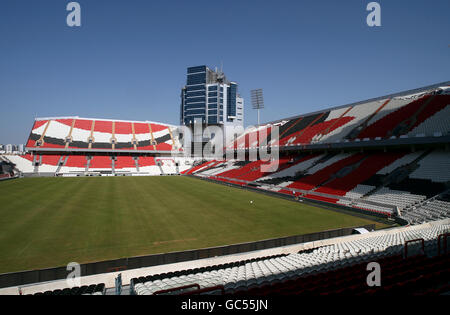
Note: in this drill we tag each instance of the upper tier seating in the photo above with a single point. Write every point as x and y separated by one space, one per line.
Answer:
393 105
437 124
424 114
359 115
406 118
89 134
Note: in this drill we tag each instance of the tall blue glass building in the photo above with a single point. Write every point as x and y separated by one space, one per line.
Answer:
210 98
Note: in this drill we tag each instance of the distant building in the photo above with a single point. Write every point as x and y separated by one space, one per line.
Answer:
210 99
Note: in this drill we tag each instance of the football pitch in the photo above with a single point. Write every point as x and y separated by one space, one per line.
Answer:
49 222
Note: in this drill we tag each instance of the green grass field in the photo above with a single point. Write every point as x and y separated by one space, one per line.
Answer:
48 222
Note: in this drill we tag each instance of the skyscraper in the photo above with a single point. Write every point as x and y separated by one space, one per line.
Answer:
210 98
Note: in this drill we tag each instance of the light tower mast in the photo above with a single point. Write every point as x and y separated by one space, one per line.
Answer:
257 100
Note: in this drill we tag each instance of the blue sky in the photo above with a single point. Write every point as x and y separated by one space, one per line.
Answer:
128 60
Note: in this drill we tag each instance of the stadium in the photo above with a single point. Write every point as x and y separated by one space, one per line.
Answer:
381 164
339 200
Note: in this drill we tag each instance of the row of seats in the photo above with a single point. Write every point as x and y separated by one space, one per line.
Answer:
257 169
253 137
365 168
301 165
217 168
248 275
428 211
434 166
3 176
69 164
386 127
359 191
370 207
401 162
438 123
400 199
94 289
180 278
284 166
199 167
415 275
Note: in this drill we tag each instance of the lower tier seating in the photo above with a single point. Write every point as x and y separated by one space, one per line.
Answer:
415 275
125 162
54 164
378 182
257 276
94 289
401 199
432 210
